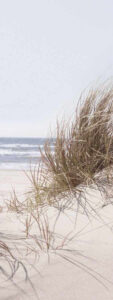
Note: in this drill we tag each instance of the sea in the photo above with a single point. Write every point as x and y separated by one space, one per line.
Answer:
21 153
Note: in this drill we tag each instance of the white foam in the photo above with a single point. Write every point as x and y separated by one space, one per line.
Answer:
20 153
23 146
16 166
18 146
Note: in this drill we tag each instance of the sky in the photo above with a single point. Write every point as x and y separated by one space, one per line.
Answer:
50 50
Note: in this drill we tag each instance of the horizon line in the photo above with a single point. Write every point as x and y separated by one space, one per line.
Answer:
25 137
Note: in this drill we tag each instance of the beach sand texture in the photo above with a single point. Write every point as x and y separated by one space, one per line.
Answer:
82 269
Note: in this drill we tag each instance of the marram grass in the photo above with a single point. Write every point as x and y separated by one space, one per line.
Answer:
83 153
84 146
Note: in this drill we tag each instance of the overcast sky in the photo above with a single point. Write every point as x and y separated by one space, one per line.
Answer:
50 50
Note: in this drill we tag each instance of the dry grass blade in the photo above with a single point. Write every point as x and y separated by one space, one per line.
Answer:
9 268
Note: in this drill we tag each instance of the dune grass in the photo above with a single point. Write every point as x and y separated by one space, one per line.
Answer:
86 147
82 156
83 149
9 266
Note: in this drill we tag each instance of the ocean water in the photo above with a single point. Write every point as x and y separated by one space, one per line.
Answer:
20 153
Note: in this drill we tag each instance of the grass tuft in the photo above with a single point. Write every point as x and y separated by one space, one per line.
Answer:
83 147
82 156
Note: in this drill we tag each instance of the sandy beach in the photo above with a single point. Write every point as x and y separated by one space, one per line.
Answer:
78 267
12 179
56 150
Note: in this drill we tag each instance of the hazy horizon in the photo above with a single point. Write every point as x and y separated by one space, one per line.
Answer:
24 137
50 51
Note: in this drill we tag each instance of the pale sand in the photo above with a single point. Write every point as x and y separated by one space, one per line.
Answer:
83 271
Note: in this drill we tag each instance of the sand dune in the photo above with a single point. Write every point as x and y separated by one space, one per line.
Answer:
78 266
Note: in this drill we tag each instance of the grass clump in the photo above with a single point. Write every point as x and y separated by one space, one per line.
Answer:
82 156
84 146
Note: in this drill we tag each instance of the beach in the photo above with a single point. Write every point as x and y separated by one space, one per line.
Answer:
10 180
79 266
56 150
